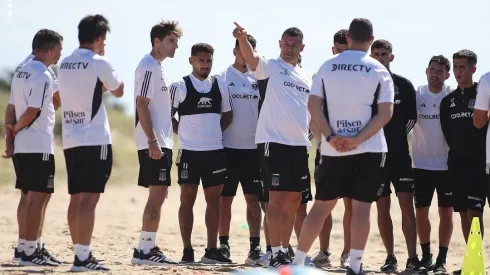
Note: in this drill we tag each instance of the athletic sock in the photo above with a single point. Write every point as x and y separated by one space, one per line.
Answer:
275 251
299 258
82 251
355 257
40 242
425 250
290 250
30 247
268 248
441 258
254 242
21 243
147 241
224 240
326 252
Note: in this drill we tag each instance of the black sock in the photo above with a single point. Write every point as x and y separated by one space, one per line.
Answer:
254 242
269 248
224 240
441 258
326 252
425 250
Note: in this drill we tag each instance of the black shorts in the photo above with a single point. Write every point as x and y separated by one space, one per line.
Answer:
35 172
286 167
398 170
468 181
154 172
356 176
426 181
210 167
243 168
88 168
17 176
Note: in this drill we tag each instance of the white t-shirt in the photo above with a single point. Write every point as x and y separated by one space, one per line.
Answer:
350 80
150 82
201 132
32 87
483 103
51 71
284 117
429 148
82 76
244 92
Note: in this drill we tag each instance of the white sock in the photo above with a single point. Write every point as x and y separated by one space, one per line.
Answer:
40 242
355 257
21 243
82 251
299 257
30 247
275 250
147 241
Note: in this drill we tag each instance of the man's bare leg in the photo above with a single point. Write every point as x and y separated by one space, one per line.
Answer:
21 222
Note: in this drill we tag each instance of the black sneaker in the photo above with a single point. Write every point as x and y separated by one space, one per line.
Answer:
414 265
351 272
391 264
136 256
280 260
214 256
225 250
154 257
17 255
49 256
440 269
90 264
188 256
254 255
289 255
36 259
428 262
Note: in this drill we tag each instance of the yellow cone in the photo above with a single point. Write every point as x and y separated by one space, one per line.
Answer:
474 261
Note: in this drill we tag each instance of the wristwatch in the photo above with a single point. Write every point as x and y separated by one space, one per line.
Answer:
329 137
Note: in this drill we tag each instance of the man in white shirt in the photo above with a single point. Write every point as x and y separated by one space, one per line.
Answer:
84 76
282 130
430 153
9 151
154 136
351 101
204 110
241 152
32 97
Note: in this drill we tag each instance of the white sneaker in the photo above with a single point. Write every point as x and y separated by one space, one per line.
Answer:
265 259
322 260
344 261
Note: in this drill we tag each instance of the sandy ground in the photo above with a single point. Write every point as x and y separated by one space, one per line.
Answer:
118 224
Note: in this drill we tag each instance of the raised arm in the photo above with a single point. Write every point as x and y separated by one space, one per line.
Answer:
246 48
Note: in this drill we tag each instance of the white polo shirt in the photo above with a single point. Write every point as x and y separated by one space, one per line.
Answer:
284 116
429 147
200 132
51 71
483 103
150 82
82 76
32 87
350 82
244 93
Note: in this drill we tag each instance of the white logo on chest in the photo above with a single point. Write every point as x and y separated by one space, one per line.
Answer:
204 102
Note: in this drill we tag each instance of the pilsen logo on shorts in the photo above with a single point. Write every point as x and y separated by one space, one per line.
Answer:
163 175
275 179
50 184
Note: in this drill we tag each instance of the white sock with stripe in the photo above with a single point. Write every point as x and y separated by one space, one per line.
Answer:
21 243
82 251
147 241
30 247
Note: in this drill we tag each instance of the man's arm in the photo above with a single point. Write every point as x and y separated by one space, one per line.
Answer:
246 48
226 106
314 132
482 103
145 117
315 107
444 118
39 89
56 100
176 96
410 107
109 78
175 123
226 120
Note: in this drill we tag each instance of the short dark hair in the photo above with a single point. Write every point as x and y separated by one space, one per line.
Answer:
382 44
294 32
164 28
92 27
46 40
441 60
340 37
250 39
470 56
201 48
361 30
